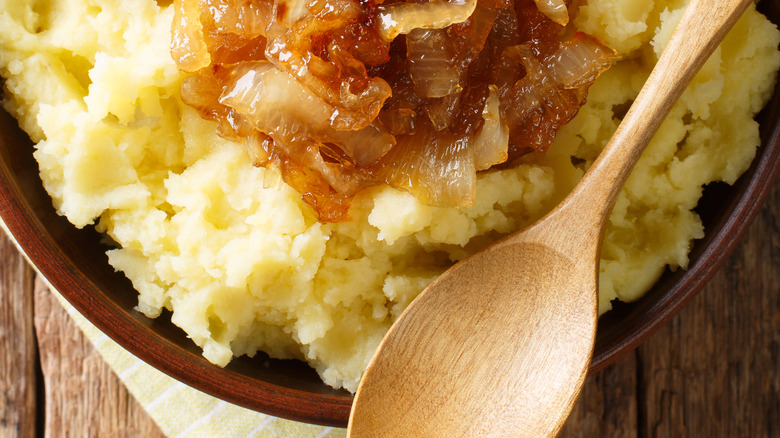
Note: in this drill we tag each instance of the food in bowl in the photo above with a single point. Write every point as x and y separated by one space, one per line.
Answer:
243 263
416 96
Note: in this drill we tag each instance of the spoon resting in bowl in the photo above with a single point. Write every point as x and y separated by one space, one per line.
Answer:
499 345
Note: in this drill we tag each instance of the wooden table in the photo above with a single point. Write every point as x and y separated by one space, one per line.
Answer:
713 371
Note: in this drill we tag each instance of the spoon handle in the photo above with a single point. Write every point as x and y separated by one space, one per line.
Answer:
701 29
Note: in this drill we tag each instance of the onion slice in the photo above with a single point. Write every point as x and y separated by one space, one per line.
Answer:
580 60
402 18
492 141
555 10
431 64
188 46
284 109
435 167
290 12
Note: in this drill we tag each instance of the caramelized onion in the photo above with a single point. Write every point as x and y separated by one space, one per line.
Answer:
580 61
335 96
491 143
535 107
417 165
555 10
188 48
401 18
290 12
552 90
281 107
431 63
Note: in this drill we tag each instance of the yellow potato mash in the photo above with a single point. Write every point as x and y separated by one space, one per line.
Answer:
242 262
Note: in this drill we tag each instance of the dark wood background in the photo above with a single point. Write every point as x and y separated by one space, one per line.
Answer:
712 371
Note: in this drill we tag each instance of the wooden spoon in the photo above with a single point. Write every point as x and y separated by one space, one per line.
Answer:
499 345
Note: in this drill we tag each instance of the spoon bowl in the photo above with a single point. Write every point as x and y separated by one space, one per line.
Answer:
500 344
464 373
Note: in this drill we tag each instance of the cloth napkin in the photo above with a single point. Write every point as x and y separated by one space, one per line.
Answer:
180 410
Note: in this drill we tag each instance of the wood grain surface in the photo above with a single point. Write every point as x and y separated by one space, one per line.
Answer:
712 371
53 383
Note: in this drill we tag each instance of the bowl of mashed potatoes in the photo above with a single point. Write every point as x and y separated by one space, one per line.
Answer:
167 237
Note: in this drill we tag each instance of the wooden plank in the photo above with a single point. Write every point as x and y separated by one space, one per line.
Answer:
607 406
714 370
83 395
17 344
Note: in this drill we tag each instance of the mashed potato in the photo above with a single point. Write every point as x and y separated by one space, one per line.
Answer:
241 261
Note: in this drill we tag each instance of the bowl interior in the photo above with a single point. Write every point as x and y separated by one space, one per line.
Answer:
75 263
